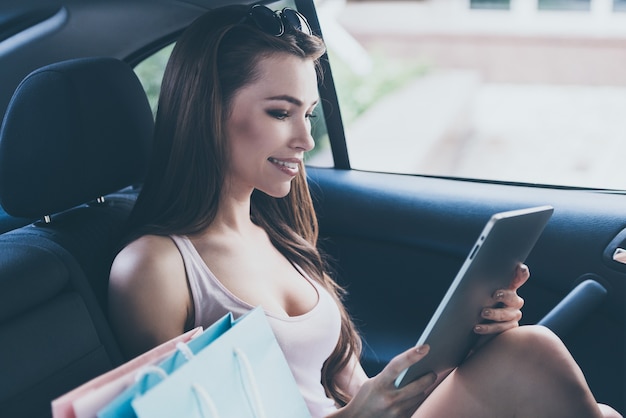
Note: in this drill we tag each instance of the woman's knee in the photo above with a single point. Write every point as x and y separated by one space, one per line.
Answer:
539 351
608 412
530 349
532 340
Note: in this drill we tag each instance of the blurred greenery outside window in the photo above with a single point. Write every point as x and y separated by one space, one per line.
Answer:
150 72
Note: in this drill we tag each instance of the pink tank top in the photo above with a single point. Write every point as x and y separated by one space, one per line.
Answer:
306 340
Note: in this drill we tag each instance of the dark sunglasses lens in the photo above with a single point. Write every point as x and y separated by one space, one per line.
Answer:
296 20
266 20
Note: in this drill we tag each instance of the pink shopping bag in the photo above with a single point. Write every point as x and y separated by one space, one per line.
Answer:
86 400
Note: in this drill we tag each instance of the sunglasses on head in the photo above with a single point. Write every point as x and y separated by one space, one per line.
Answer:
275 23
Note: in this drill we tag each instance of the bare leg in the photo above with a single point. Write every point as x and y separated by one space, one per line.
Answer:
525 372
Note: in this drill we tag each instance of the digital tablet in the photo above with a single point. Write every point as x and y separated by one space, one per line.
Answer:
506 240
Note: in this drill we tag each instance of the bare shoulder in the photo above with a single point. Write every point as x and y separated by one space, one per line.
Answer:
148 266
147 254
149 299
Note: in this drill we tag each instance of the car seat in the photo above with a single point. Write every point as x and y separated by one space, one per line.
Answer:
74 142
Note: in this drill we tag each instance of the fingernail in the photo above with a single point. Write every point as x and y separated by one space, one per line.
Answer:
422 349
478 328
487 313
499 294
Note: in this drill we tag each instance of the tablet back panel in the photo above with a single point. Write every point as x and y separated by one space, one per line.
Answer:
505 241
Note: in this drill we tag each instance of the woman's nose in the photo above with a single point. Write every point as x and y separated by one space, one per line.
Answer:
303 138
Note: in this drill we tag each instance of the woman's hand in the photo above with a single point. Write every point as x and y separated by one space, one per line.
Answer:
505 311
379 397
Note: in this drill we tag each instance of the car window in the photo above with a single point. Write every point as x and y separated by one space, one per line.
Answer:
150 73
511 91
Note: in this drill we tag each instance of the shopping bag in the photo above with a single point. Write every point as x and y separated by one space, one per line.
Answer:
86 400
147 377
242 374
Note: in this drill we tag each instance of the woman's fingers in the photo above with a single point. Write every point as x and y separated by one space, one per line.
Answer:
379 395
417 387
415 395
502 314
495 327
500 319
505 310
522 273
507 298
405 400
402 361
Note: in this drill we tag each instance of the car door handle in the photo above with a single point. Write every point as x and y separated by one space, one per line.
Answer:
619 255
614 255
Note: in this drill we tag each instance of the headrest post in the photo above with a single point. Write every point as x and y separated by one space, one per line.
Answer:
47 219
100 200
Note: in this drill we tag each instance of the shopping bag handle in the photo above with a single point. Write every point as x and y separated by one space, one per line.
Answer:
204 400
249 384
148 370
185 350
158 371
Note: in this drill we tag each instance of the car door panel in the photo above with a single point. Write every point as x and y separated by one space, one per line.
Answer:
396 242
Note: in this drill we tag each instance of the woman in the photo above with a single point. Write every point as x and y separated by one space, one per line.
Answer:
225 222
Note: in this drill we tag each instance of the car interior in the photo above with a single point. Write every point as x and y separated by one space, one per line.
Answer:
74 143
55 271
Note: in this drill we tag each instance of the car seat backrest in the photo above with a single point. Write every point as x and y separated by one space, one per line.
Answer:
75 139
73 131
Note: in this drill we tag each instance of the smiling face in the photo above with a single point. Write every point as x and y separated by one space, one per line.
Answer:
269 127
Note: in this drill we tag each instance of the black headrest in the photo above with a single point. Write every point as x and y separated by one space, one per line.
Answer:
73 131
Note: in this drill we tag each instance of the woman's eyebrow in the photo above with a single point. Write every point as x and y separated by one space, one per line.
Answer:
290 99
287 98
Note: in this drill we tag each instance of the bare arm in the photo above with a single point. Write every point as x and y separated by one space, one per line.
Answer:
149 299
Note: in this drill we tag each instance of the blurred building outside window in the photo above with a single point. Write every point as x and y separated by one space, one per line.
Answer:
522 93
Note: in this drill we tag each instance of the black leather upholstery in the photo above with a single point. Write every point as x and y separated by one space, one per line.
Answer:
74 131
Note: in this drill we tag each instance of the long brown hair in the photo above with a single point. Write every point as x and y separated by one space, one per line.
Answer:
216 56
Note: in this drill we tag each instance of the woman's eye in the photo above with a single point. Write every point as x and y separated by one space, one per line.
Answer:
311 116
278 114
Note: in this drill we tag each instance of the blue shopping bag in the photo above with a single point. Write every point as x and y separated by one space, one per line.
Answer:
149 377
243 374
